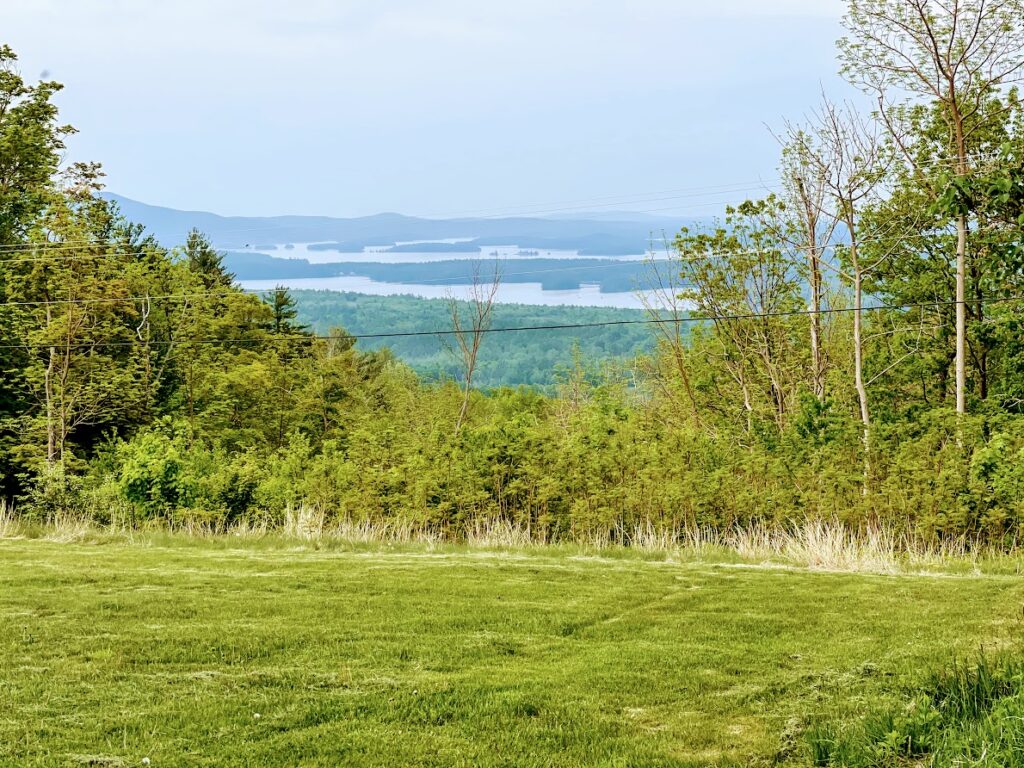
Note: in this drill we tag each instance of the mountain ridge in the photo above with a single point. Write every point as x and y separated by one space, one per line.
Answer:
605 235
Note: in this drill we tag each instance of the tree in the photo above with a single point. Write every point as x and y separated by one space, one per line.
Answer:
482 293
283 307
806 191
951 54
83 368
740 276
913 236
31 141
662 298
204 260
849 159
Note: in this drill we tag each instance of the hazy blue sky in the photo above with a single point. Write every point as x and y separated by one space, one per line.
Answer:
429 107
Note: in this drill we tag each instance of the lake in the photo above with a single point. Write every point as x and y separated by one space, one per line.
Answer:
508 293
587 295
315 255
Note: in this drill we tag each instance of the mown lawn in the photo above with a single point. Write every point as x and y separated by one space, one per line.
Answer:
194 654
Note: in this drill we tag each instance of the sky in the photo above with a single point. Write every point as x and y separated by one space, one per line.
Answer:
431 107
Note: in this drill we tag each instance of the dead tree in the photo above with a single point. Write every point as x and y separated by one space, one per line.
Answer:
661 296
469 332
850 160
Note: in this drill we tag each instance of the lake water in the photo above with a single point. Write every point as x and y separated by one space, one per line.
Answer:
379 256
508 293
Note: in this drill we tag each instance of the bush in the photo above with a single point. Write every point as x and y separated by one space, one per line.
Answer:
150 474
55 493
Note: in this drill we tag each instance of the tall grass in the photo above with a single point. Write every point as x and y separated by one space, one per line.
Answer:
62 527
826 545
965 714
9 526
831 545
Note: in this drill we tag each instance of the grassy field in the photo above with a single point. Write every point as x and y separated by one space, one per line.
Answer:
196 654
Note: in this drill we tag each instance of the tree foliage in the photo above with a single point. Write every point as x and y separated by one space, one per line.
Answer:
803 362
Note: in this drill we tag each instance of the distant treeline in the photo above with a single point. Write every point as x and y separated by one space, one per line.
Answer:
853 348
533 358
612 275
585 245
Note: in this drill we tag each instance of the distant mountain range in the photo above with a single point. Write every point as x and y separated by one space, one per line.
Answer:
599 234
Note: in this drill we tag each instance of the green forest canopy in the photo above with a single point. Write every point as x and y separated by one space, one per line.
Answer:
141 384
534 358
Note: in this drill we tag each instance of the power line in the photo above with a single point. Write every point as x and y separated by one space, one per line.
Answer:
117 299
645 198
114 252
642 197
691 319
606 264
628 199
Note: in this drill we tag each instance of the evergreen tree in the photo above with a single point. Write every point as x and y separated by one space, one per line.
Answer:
204 260
284 310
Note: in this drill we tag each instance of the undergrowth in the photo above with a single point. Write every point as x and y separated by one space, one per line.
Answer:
968 714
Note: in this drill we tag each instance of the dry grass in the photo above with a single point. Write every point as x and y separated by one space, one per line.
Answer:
65 528
499 534
69 528
9 525
826 545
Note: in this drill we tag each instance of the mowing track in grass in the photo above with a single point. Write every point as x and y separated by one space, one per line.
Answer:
204 656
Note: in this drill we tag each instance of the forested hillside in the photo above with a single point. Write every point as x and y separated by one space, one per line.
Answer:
854 346
535 358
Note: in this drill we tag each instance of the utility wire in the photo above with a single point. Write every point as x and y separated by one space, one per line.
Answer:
607 263
696 192
528 209
305 338
767 185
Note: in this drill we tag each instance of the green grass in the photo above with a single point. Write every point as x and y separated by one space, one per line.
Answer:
966 714
111 652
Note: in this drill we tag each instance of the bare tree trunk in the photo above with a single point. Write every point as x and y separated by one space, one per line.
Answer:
748 406
482 296
147 356
814 265
858 363
51 429
817 358
961 315
467 387
684 376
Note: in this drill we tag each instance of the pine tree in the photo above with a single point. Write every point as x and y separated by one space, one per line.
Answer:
284 308
204 260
